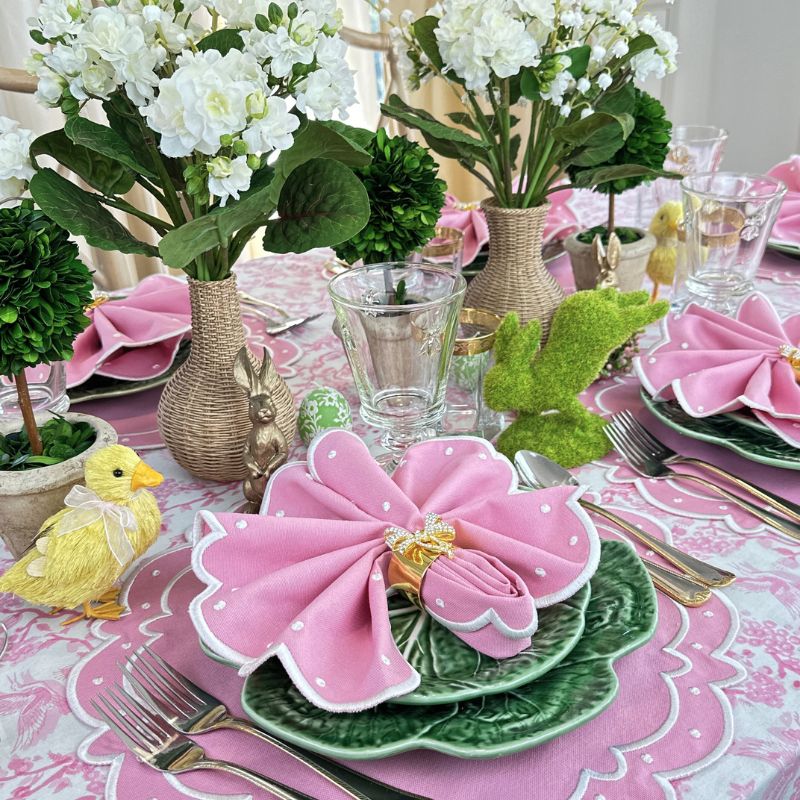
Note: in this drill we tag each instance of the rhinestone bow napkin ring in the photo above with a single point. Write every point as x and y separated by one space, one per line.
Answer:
792 355
413 553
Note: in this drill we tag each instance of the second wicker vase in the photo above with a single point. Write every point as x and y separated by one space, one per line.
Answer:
203 414
515 277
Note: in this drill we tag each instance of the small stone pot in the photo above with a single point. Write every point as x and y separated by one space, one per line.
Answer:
28 498
632 264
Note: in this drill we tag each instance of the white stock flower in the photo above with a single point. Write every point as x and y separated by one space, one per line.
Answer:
323 92
477 37
228 177
272 130
111 36
57 18
204 99
280 48
543 11
15 163
660 61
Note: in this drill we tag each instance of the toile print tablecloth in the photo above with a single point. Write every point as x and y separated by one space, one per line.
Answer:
721 694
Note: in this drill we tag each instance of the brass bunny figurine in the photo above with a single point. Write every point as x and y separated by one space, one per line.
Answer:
266 447
607 260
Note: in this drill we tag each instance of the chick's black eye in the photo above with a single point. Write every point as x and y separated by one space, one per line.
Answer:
118 473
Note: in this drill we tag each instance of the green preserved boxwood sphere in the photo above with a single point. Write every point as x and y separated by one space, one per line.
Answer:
44 290
405 197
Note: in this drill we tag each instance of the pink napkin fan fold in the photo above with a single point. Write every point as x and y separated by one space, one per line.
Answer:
712 364
306 579
787 226
135 337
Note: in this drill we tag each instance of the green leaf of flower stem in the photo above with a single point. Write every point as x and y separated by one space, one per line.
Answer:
181 246
424 32
223 41
579 56
81 213
529 84
103 140
588 178
579 133
323 204
105 174
448 142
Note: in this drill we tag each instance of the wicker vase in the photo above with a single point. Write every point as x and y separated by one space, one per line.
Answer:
515 277
203 414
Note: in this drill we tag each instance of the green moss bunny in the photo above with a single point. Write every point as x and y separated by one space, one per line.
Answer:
543 385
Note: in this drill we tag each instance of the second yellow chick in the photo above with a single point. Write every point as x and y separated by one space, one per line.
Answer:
662 261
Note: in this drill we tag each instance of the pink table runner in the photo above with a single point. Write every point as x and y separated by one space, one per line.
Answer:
639 748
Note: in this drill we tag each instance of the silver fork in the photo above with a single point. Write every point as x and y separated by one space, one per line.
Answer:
668 456
642 461
190 709
154 743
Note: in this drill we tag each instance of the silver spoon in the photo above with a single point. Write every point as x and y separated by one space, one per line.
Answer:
540 472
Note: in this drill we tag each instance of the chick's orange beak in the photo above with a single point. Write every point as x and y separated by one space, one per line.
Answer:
144 476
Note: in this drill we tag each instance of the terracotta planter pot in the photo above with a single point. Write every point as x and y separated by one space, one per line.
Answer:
28 498
515 277
632 264
203 414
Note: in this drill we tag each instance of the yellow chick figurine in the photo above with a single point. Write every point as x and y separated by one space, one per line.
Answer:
664 226
82 550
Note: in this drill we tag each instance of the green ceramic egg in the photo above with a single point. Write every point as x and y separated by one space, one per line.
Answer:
323 408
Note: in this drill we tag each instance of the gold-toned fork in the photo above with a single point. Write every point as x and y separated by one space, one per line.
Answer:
192 710
666 454
149 738
642 461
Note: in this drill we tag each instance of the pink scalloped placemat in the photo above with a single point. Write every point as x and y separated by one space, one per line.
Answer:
671 707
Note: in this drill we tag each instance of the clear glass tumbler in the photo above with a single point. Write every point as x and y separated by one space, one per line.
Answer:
398 324
47 386
446 249
472 358
726 224
692 149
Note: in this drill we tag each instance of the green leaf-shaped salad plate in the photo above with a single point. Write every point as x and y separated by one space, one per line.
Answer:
745 436
620 616
451 670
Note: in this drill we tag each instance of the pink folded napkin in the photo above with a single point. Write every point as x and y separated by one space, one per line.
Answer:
470 220
135 337
306 579
712 363
787 225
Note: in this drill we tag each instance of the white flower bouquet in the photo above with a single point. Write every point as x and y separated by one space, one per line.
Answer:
220 109
565 65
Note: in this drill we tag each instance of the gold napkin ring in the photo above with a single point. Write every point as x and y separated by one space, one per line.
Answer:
413 553
792 355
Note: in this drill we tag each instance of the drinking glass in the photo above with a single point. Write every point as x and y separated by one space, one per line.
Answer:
47 385
692 149
466 413
446 249
398 324
727 220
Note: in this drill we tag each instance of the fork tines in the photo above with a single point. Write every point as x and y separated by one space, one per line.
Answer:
138 727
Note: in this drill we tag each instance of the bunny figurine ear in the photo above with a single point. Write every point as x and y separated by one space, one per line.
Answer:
243 370
265 363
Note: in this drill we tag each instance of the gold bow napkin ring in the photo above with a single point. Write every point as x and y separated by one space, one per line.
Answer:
413 553
792 355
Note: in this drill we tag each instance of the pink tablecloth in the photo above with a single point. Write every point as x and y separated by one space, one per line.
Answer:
46 751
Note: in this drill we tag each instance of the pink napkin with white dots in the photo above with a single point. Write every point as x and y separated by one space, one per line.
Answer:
306 580
135 337
711 363
787 226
